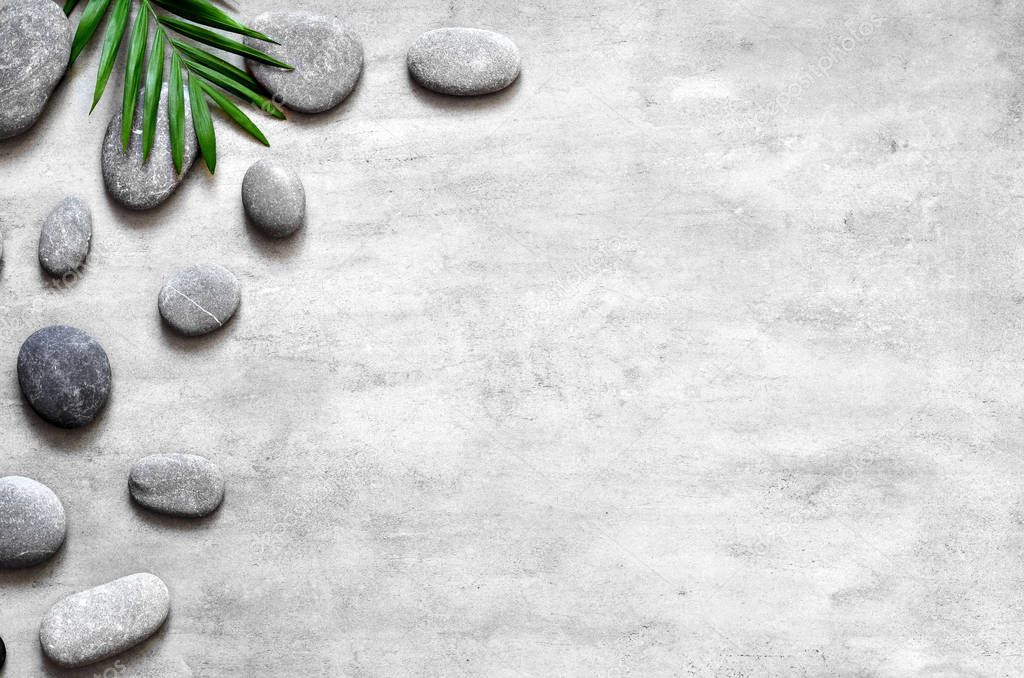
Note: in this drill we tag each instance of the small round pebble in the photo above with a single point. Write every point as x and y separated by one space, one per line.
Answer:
464 61
273 198
199 299
65 237
184 485
326 56
65 375
32 522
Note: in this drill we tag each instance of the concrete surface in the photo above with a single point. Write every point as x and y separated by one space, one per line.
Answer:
698 352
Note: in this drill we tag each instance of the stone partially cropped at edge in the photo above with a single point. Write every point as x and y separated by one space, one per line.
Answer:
32 522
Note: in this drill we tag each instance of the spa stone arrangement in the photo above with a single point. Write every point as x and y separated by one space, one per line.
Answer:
65 375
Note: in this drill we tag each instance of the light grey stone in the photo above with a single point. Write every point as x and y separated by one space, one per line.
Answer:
199 299
35 44
104 621
142 185
32 522
464 61
185 485
64 374
273 198
65 237
327 57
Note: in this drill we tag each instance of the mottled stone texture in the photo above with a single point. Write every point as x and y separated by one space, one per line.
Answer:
326 56
64 374
35 43
199 299
184 485
65 237
464 61
32 523
104 621
273 198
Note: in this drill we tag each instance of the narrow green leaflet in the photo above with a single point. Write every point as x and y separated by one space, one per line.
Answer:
202 122
236 114
217 40
133 73
265 104
151 102
111 43
69 7
217 64
176 113
203 12
87 25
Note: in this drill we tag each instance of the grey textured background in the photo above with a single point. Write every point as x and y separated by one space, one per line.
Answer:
695 353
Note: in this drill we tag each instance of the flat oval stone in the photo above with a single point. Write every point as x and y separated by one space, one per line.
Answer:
273 198
464 61
142 185
35 44
64 374
32 522
326 56
65 237
199 299
104 621
184 485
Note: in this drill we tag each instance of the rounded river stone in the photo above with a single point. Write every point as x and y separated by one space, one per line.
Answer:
464 61
65 375
35 44
273 198
326 56
32 522
184 485
142 185
199 299
104 621
65 237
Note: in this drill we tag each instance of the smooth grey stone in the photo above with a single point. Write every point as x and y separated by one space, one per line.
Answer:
65 237
142 185
199 299
35 44
464 61
328 59
64 374
104 621
273 197
185 485
32 522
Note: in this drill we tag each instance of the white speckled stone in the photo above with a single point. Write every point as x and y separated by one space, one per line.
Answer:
32 522
199 299
184 485
104 621
65 237
464 61
273 198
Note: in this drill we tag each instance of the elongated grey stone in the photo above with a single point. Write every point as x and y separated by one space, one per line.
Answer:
464 61
142 185
65 237
32 522
326 56
184 485
64 374
273 198
35 43
104 621
199 299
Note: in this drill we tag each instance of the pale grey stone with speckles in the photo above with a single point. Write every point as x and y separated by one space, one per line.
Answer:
32 522
199 299
142 185
64 374
65 237
185 485
326 56
35 43
104 621
464 61
273 198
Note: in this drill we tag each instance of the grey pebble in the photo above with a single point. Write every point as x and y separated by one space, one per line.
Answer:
326 56
273 198
35 44
65 237
142 185
104 621
464 61
184 485
64 374
199 299
32 522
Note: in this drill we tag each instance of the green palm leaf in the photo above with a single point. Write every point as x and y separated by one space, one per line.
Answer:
176 113
239 90
154 79
111 44
91 18
69 6
133 73
202 122
236 114
216 63
203 12
220 42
